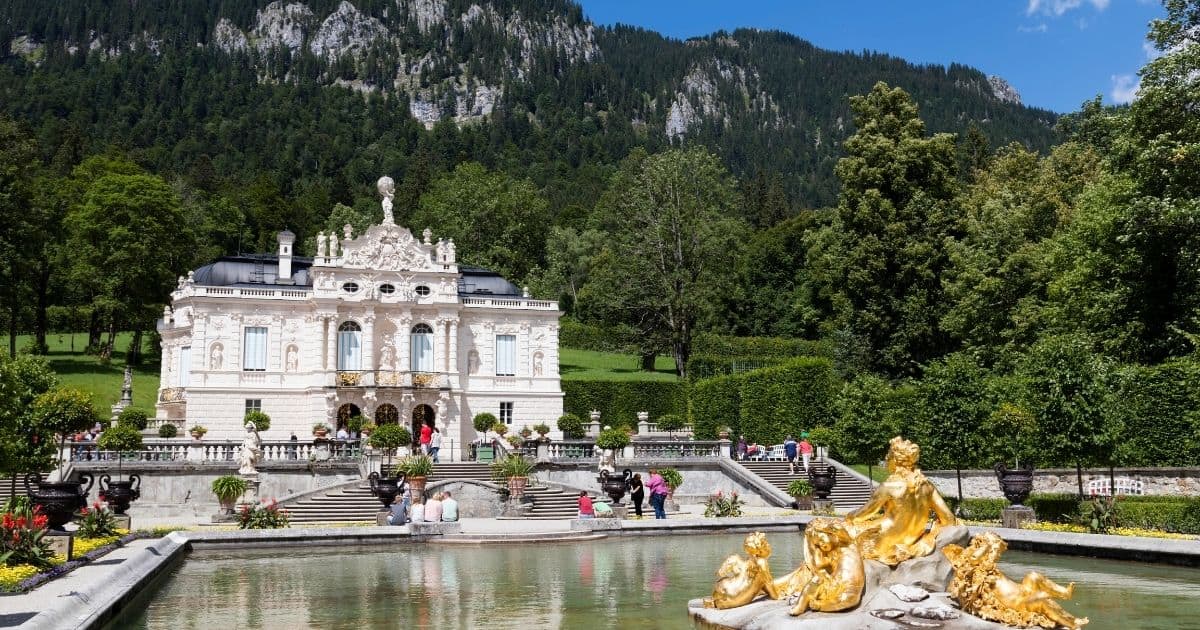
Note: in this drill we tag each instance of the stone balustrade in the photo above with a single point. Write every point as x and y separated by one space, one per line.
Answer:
186 450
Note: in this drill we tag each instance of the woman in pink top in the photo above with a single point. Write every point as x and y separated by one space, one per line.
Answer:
658 493
585 506
433 508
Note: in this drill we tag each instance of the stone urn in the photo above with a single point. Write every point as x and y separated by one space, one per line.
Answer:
822 481
516 487
417 485
1015 483
615 485
59 500
119 494
384 488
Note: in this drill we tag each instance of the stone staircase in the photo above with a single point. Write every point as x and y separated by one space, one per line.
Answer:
350 503
848 494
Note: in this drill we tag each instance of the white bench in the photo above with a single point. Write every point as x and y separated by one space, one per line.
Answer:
1125 485
776 453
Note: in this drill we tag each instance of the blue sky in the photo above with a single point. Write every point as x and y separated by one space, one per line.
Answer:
1056 53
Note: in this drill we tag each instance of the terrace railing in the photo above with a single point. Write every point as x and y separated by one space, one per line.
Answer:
182 450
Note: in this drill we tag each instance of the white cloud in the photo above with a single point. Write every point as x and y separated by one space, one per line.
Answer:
1040 28
1059 7
1124 88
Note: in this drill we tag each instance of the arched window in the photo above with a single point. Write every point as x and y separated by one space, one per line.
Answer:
422 348
349 347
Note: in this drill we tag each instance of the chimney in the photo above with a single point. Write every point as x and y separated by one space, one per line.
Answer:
286 239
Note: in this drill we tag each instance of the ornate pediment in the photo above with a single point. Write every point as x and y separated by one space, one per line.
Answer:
387 248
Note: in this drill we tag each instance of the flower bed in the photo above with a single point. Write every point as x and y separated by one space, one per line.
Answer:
23 577
1115 531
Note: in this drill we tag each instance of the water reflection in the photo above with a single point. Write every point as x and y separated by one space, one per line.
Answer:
611 583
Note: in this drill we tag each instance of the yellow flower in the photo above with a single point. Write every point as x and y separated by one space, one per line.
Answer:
10 577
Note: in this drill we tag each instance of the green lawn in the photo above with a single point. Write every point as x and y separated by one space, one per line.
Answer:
102 381
578 365
878 473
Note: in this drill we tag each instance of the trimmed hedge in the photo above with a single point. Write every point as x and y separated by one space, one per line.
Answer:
1155 406
791 398
620 401
779 347
715 402
1181 516
1166 513
580 336
700 366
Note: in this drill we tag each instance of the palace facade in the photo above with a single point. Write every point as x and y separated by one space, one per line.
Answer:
383 325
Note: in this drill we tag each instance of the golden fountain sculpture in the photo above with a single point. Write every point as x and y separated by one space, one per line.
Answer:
901 521
982 590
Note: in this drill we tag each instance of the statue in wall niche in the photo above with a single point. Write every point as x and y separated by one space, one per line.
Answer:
293 359
250 452
216 357
537 364
473 362
982 590
387 359
894 525
439 409
744 579
320 244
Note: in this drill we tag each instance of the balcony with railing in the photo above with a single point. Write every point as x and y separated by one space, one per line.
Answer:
391 378
206 451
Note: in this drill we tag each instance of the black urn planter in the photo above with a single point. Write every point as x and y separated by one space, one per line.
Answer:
384 488
119 494
1015 483
615 485
59 500
822 482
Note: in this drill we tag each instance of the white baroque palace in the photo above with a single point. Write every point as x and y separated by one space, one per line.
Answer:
385 325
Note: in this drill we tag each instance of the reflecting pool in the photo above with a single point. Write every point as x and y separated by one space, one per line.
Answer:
642 582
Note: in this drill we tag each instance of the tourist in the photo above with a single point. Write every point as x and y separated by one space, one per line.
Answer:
417 513
741 448
292 446
342 434
404 491
658 494
433 508
806 450
585 505
637 493
602 509
449 508
396 513
790 449
426 438
435 444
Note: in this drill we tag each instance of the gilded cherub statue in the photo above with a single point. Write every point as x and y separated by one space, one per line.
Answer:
744 579
831 578
982 590
894 525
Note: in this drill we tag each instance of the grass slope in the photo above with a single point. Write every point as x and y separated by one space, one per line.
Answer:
582 365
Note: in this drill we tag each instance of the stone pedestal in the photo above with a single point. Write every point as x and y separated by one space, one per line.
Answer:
250 496
822 505
620 511
381 518
61 543
123 522
1014 515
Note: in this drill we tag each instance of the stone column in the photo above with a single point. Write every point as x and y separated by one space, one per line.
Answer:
403 339
452 361
330 343
368 342
439 346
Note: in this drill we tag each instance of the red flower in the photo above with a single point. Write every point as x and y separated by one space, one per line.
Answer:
21 522
40 521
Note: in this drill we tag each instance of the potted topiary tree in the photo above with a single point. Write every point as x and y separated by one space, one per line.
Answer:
167 430
526 432
1014 431
63 411
228 488
320 430
801 490
135 418
261 421
387 438
197 431
123 439
416 468
571 426
542 429
483 422
671 423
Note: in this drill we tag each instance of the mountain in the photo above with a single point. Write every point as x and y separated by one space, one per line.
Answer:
314 99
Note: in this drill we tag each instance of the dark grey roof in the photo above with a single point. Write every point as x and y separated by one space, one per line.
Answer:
243 270
480 281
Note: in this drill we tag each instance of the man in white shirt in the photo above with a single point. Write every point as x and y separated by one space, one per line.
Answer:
342 434
435 444
449 509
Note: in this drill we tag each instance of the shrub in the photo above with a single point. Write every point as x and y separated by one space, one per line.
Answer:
135 418
977 509
580 336
267 515
800 488
1181 516
541 428
1056 508
96 522
260 420
613 438
716 402
500 428
701 366
781 400
671 423
571 426
721 504
620 401
354 423
228 488
389 437
168 430
1154 406
122 438
23 541
782 347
